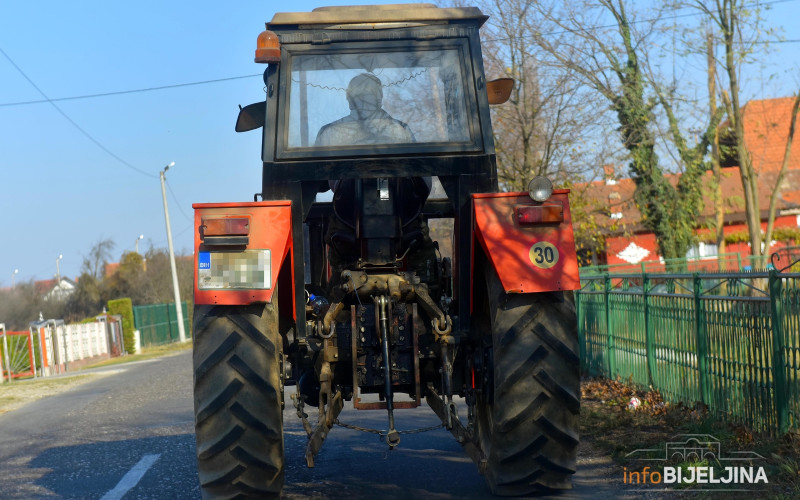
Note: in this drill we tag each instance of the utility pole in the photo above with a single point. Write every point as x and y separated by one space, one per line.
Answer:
178 309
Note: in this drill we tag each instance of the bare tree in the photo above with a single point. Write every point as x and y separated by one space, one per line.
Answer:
544 128
739 27
88 297
716 167
24 303
552 125
95 262
607 46
86 300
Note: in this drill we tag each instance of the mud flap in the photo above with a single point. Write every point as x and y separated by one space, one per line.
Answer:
531 245
239 250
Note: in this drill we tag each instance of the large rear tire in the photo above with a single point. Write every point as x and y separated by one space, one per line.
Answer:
237 401
527 413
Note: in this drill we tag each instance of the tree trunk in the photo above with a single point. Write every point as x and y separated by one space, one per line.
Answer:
719 209
748 175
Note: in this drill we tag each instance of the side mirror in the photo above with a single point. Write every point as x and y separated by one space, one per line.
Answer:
251 116
499 90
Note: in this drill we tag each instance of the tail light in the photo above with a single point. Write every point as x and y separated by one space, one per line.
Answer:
539 214
225 231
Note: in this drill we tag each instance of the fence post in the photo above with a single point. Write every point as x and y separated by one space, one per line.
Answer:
5 353
612 362
648 331
41 336
702 348
187 326
31 354
779 389
65 347
168 311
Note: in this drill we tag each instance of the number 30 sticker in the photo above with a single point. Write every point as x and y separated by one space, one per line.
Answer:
544 255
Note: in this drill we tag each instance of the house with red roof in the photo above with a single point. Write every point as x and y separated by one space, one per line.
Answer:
766 124
53 289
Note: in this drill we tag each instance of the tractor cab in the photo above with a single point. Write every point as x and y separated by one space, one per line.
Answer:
359 85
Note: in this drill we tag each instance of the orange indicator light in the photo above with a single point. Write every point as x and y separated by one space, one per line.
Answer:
268 48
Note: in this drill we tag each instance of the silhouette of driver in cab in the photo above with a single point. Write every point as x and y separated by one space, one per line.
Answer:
367 122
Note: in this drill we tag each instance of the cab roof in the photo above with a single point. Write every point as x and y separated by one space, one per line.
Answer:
378 14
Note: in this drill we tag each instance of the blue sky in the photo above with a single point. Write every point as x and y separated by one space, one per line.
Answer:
60 193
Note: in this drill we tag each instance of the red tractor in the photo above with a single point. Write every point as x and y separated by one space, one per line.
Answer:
376 129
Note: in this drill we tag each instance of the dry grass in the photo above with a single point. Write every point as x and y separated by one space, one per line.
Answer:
20 392
147 353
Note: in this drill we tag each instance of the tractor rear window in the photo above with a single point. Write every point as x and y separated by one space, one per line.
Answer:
351 102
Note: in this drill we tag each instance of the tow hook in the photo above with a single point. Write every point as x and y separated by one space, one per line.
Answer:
452 415
393 438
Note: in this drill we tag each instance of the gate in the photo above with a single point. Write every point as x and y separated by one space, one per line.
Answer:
116 344
17 350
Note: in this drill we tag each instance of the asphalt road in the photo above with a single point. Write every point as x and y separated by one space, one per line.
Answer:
81 443
130 435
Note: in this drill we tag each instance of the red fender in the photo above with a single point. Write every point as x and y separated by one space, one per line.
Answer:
239 250
530 244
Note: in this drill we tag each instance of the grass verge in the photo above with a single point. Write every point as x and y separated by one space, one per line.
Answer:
19 392
147 353
611 426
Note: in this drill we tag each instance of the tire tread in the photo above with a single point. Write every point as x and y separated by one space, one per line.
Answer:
238 413
530 435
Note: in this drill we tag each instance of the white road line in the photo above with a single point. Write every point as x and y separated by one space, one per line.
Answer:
132 478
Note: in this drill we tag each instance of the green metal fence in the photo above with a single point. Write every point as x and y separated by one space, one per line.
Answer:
728 340
158 323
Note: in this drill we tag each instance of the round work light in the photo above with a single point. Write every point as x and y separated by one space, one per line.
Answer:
540 188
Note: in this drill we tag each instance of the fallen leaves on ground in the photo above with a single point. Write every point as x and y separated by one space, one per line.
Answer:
617 394
607 422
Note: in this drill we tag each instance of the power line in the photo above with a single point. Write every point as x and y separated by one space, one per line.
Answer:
131 91
175 236
178 202
80 129
183 231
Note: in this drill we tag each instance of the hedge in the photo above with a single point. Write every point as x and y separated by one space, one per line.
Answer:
124 307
